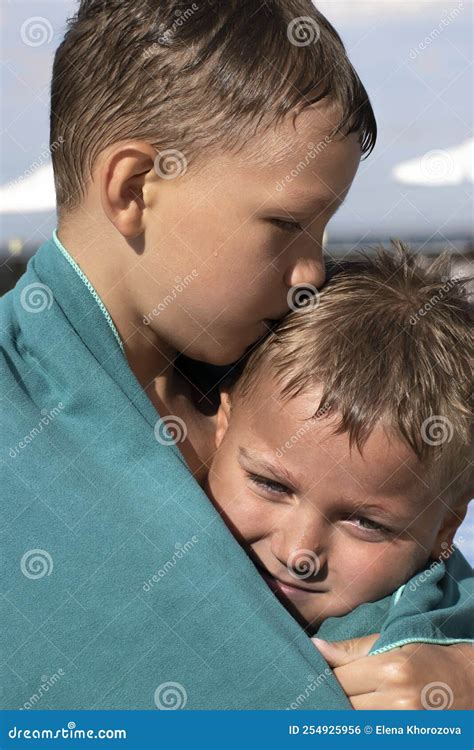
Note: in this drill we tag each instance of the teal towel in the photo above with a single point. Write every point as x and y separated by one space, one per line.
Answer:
435 606
123 588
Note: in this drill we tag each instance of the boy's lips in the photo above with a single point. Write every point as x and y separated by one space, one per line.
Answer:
290 589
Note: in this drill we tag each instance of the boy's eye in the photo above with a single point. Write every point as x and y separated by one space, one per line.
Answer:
287 225
269 485
368 525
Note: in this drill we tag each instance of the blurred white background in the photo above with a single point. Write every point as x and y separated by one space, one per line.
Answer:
415 58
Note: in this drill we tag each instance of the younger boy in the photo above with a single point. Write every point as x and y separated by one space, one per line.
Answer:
342 462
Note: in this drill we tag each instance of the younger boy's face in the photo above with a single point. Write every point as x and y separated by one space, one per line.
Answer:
328 528
235 236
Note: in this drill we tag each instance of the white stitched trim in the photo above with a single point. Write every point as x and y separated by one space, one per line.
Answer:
398 593
88 284
436 641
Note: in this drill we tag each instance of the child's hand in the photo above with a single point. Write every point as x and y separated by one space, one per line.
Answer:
416 676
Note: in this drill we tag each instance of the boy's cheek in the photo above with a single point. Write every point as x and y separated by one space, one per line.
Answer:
239 508
370 575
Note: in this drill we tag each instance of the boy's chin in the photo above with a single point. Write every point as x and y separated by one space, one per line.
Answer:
221 356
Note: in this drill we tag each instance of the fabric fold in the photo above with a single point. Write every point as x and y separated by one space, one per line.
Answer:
121 581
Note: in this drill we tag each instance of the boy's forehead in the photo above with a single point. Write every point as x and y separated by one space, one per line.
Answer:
292 433
306 156
313 124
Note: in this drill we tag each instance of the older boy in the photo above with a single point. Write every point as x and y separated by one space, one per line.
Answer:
177 138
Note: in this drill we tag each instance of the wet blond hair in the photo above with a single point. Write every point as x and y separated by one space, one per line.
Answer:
390 339
191 77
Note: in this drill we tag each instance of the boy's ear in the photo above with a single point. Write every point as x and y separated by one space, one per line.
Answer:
223 416
453 518
122 184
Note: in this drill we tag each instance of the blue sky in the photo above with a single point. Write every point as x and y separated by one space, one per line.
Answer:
414 58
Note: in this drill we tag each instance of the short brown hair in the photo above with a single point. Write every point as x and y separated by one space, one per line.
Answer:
390 339
190 75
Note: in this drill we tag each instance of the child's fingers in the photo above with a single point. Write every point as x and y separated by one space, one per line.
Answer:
382 702
338 653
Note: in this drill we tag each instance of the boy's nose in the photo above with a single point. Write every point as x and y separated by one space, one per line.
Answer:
306 271
303 555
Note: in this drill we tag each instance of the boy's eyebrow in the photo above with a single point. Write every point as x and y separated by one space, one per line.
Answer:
281 471
305 199
390 512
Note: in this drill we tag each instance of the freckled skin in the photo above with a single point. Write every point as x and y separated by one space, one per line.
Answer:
321 513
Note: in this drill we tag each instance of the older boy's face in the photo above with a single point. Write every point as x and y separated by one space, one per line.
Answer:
227 242
328 528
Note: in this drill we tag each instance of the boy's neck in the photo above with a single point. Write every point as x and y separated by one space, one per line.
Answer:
150 358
